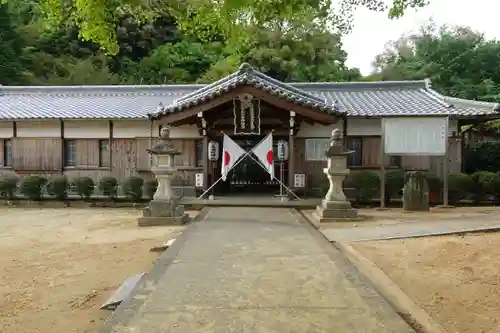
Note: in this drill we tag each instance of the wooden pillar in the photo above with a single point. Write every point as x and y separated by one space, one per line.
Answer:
344 129
204 134
63 146
291 151
205 161
110 145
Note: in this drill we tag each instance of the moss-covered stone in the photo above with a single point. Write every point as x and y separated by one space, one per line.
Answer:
415 192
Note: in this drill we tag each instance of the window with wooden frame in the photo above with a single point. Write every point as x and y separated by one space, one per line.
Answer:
69 153
315 149
104 153
356 158
7 152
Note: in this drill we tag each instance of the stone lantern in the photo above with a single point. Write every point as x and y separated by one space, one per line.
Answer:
164 209
335 207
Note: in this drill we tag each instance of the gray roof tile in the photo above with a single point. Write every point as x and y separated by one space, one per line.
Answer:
357 99
247 75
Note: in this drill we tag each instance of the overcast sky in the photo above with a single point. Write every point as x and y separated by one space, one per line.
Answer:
373 30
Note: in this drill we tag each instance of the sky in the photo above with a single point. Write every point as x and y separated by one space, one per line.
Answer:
373 30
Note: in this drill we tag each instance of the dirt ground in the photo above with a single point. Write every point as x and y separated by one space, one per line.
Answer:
59 265
455 279
375 217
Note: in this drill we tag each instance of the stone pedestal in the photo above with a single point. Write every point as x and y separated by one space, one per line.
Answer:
335 206
164 209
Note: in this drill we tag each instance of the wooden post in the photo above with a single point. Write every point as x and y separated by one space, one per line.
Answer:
110 145
63 146
205 161
291 151
382 165
445 170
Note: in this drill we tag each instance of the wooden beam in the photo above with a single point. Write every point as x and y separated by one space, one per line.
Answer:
318 116
176 118
193 111
14 129
63 146
110 145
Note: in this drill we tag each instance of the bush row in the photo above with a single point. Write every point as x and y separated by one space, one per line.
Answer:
479 185
58 187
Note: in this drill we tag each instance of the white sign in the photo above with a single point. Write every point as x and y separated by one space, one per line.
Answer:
415 135
198 180
299 180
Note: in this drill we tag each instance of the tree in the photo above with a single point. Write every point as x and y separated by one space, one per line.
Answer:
460 62
97 19
182 62
11 71
290 56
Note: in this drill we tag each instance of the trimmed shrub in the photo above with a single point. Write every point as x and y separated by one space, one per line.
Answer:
84 187
394 182
366 185
483 183
109 186
150 187
8 187
32 187
58 187
132 188
459 186
434 184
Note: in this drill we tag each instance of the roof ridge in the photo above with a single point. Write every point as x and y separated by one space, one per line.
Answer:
494 106
436 96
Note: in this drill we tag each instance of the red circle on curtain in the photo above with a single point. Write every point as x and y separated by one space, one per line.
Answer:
269 157
227 158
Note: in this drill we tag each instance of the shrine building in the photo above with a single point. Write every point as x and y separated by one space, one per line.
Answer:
105 130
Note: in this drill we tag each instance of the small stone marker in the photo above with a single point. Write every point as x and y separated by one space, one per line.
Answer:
122 292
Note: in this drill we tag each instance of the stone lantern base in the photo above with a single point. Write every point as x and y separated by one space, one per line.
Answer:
336 211
161 212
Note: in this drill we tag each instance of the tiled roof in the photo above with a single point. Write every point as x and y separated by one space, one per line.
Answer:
246 75
466 105
357 99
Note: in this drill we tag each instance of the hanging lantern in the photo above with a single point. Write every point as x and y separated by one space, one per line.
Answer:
282 150
213 150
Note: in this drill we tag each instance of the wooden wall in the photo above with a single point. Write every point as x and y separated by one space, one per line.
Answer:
371 161
125 158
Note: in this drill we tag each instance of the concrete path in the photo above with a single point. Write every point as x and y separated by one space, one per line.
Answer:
411 229
259 270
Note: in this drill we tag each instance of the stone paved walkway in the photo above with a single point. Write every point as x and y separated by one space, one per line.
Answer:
259 270
411 229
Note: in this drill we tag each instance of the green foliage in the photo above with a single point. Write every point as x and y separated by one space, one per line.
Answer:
8 187
483 184
108 186
459 186
394 182
84 187
97 19
132 188
32 187
460 62
10 68
485 156
366 185
434 183
150 187
58 187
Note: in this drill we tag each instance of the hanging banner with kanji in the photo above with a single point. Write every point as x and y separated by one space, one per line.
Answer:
246 111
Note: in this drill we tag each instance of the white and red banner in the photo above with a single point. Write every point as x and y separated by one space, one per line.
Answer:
231 152
264 153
